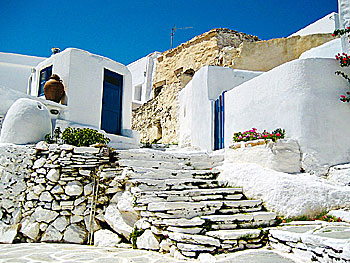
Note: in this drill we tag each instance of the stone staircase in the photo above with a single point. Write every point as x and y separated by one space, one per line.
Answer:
179 197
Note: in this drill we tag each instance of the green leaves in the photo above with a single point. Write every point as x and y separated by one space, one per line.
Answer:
83 136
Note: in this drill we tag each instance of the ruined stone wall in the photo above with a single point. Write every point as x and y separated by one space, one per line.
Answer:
157 119
266 55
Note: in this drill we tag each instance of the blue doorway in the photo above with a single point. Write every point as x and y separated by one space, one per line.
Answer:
219 121
44 76
112 102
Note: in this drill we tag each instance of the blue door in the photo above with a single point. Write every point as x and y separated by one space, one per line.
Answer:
44 76
112 102
219 120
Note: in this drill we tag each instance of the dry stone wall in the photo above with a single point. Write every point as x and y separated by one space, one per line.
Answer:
49 192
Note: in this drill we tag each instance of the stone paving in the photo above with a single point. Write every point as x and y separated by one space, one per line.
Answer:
71 253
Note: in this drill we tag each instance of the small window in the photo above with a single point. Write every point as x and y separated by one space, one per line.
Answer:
45 74
137 92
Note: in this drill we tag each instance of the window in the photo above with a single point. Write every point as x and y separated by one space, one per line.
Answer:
137 92
44 76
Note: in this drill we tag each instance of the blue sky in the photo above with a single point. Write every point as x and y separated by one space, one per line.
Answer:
128 30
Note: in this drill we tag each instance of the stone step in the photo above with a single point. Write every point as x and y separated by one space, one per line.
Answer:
259 218
173 184
164 174
228 193
164 164
235 234
156 155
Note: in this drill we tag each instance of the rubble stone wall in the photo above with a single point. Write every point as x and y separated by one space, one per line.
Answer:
47 192
1 121
266 55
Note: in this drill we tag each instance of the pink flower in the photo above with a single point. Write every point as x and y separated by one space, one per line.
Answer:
342 96
278 134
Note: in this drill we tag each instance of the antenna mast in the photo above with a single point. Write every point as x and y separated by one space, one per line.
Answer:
173 30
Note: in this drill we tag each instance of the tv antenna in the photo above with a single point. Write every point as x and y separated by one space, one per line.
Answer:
173 30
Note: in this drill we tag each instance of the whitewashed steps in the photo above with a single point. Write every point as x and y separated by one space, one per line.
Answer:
178 194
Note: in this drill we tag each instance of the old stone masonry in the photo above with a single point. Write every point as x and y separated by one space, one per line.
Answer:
164 201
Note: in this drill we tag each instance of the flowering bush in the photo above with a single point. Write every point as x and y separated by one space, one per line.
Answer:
253 134
344 61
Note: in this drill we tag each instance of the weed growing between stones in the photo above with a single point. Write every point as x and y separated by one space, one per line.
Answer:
321 216
134 235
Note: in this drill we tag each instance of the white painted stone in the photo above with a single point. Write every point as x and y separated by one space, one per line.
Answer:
73 188
76 219
106 238
75 234
196 221
8 232
27 121
147 241
91 150
142 224
282 156
194 239
191 247
264 216
51 235
44 215
88 189
343 214
45 197
95 225
234 234
340 174
66 147
39 163
165 245
115 220
178 256
206 258
126 207
30 229
285 235
42 146
38 189
60 223
41 171
53 175
57 189
286 194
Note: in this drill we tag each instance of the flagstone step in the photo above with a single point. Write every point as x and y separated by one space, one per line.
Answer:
173 184
163 174
179 165
156 155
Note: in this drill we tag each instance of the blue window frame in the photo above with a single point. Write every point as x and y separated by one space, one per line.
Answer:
44 76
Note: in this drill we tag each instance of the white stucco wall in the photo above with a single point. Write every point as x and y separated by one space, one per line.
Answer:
82 74
327 50
302 97
344 22
326 24
196 123
15 70
142 72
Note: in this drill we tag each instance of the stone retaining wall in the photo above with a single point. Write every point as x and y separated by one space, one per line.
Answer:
49 193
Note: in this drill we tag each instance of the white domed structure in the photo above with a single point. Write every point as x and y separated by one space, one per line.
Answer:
27 121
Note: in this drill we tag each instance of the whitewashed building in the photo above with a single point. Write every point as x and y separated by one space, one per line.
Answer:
15 70
300 96
98 93
142 72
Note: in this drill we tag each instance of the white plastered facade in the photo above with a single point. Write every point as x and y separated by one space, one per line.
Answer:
196 119
82 74
142 72
15 70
